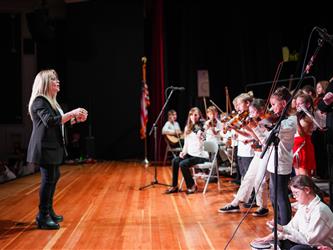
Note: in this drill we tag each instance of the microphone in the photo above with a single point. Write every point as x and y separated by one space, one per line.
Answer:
177 88
324 35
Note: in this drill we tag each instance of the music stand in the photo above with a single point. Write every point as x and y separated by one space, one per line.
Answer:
154 128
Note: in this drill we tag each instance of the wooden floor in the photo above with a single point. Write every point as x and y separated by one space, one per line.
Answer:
103 208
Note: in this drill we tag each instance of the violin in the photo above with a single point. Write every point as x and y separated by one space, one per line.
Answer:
199 126
266 120
212 123
236 121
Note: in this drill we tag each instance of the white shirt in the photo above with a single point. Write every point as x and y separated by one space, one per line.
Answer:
244 149
287 131
311 225
194 146
210 135
170 127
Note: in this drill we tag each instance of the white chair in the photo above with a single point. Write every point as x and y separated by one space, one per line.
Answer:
174 150
211 166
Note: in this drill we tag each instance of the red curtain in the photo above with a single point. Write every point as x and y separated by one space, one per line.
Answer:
157 75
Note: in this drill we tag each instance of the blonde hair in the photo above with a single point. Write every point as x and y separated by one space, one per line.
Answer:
41 87
244 97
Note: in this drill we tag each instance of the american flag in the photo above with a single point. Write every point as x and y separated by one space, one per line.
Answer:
145 102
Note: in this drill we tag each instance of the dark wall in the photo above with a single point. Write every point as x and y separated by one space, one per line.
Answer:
239 44
10 70
105 46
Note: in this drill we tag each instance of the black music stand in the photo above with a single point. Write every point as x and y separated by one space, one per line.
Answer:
154 128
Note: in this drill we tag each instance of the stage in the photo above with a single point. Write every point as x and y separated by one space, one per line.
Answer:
103 208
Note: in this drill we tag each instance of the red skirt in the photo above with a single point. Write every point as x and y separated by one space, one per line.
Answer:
305 156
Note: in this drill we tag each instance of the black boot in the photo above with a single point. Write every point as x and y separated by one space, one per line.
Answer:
55 217
46 222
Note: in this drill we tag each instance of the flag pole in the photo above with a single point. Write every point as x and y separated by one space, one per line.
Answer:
144 62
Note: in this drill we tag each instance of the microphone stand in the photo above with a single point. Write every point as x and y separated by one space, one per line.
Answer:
154 128
274 139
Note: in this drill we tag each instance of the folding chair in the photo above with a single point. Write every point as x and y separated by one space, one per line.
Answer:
211 166
169 149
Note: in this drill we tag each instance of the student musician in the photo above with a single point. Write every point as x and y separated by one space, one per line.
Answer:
213 126
255 177
245 152
171 129
192 153
288 126
312 225
304 155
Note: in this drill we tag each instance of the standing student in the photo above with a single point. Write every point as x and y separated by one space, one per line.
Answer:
278 101
47 144
304 155
326 105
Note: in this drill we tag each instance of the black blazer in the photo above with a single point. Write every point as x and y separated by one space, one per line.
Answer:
329 114
46 144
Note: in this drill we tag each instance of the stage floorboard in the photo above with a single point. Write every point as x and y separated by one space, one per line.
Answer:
103 208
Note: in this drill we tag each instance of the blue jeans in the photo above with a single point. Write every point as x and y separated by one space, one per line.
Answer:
50 175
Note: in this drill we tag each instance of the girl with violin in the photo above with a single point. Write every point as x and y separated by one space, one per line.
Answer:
255 176
278 101
304 161
192 153
213 126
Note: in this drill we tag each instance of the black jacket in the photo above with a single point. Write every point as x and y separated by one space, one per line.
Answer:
46 144
329 117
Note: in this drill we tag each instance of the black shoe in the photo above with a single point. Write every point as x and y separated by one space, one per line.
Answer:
46 222
248 205
260 212
55 217
172 190
229 209
192 190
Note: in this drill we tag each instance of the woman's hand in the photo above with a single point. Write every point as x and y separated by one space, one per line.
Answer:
181 155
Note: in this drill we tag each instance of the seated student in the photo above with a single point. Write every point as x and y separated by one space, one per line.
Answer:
312 225
192 153
172 129
213 126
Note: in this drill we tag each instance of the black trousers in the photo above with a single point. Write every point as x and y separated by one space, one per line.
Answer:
50 175
283 204
184 164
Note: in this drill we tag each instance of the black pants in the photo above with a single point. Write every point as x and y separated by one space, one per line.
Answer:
289 245
184 164
283 204
50 175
